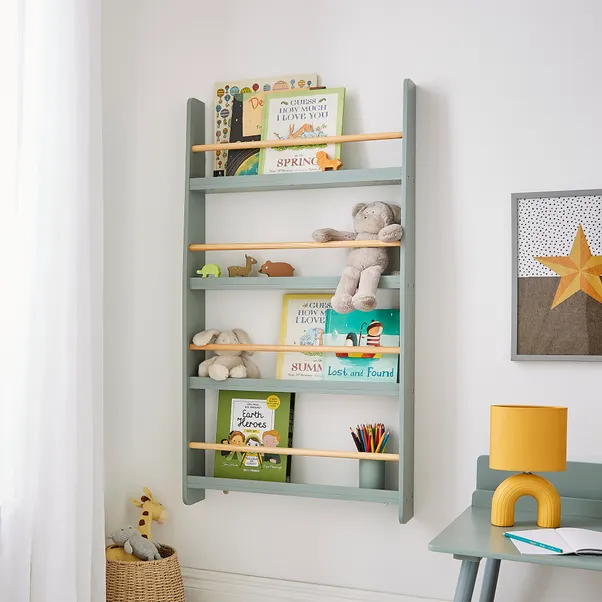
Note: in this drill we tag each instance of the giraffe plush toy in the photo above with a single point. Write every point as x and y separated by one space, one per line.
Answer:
150 510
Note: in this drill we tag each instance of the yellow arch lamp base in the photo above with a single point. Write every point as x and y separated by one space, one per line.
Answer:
514 487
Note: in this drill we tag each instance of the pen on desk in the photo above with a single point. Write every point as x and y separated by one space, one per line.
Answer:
533 543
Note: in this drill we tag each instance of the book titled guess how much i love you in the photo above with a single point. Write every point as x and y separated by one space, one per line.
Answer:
363 332
300 115
263 422
303 318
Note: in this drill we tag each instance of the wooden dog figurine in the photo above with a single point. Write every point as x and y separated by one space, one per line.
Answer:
326 164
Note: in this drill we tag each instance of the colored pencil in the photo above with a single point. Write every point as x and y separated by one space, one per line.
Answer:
370 437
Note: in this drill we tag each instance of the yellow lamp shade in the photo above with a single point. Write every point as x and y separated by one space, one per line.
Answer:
528 438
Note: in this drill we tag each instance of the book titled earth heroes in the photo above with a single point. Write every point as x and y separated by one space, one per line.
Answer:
363 332
263 422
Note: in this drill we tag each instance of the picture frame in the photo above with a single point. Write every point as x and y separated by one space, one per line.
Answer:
556 268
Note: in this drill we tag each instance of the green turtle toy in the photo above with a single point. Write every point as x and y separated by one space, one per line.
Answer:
208 269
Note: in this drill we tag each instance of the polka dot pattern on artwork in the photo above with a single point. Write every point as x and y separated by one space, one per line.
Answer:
547 227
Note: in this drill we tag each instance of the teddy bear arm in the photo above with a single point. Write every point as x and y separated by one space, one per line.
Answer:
390 233
127 546
328 234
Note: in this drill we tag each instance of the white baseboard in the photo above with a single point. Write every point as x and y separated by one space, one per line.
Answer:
215 586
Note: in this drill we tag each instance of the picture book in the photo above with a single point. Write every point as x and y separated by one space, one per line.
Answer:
263 422
228 111
363 332
566 540
302 323
300 114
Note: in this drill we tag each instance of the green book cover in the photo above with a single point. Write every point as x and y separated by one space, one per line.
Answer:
262 422
304 115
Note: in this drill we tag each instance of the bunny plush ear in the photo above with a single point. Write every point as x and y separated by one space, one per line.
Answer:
242 338
205 338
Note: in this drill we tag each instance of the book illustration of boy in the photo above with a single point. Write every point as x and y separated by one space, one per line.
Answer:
252 458
375 329
271 439
236 438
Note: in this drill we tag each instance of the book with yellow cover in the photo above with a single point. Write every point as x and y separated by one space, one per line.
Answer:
302 323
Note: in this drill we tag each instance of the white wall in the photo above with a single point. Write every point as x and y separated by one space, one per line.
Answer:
508 100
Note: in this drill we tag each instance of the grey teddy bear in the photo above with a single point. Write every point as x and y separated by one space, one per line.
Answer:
134 543
359 281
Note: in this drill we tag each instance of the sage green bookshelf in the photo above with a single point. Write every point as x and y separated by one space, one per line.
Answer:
199 190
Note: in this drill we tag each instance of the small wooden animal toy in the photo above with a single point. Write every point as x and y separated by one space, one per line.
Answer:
245 270
277 269
326 164
208 269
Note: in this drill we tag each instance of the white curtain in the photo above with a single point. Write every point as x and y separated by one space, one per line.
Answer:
51 498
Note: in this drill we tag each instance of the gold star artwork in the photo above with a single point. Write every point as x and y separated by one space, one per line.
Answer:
580 271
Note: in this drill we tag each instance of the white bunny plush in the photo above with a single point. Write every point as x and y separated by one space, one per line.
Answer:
233 364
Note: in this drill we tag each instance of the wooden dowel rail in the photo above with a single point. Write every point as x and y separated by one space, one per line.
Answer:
255 246
295 348
199 148
293 451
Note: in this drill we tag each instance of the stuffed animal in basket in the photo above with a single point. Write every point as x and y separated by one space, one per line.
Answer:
151 510
233 364
359 281
134 543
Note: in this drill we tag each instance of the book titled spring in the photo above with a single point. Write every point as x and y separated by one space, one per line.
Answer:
262 422
363 332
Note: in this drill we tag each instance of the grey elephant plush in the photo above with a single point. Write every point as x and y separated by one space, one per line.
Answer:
233 364
134 543
359 281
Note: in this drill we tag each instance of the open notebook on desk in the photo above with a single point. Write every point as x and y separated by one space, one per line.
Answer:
567 539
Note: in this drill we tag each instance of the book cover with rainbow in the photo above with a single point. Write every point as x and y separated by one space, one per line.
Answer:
363 332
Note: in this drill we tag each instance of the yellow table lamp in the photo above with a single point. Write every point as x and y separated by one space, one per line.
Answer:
527 439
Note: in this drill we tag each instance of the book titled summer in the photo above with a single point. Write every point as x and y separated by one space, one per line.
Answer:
262 422
302 323
300 115
363 333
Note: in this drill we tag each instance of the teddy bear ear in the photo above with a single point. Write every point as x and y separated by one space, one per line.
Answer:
357 208
396 209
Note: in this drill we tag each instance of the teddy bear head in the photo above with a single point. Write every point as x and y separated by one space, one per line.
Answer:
373 217
236 336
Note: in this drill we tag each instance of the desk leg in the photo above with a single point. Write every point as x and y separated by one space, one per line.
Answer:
492 571
466 579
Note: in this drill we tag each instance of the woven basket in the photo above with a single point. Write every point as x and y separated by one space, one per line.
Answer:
147 580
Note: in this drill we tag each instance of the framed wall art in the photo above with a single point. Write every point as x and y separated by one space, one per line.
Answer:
556 275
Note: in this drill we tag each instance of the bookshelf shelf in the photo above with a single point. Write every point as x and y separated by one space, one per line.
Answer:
331 492
201 148
256 246
198 189
285 348
379 176
293 283
294 451
325 387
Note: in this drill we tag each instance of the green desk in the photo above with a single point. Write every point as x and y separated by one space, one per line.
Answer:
471 537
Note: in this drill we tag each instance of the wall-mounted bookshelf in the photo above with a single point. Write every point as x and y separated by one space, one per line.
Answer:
198 192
